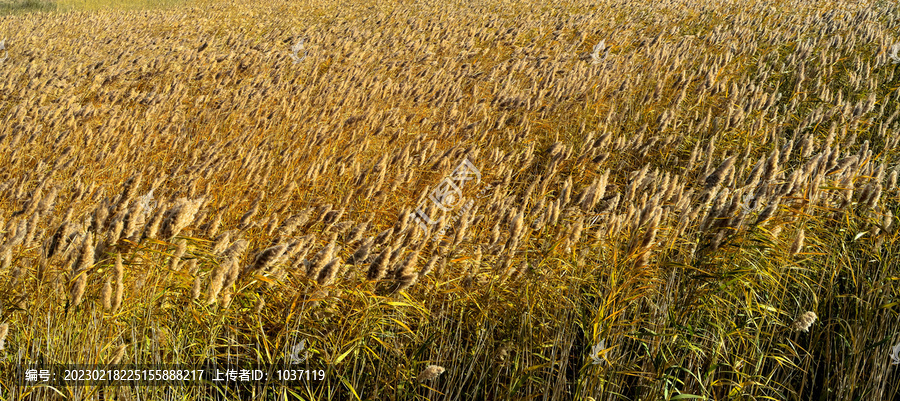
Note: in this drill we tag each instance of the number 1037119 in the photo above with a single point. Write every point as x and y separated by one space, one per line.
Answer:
299 375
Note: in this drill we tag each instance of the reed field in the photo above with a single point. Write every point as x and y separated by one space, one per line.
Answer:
455 200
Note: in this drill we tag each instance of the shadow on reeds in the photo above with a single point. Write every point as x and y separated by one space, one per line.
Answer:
26 6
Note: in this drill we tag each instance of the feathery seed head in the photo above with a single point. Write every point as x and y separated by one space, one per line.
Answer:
430 373
804 322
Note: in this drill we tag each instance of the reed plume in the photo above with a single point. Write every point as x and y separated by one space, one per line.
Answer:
329 272
804 321
118 355
265 259
797 245
106 295
378 267
430 373
322 258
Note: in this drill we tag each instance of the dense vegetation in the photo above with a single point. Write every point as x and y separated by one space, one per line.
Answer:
673 200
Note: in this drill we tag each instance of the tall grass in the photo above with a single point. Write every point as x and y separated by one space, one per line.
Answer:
708 212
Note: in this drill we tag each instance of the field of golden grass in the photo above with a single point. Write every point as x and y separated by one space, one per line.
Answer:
455 200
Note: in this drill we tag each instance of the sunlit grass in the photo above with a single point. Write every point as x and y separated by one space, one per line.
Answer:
651 203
